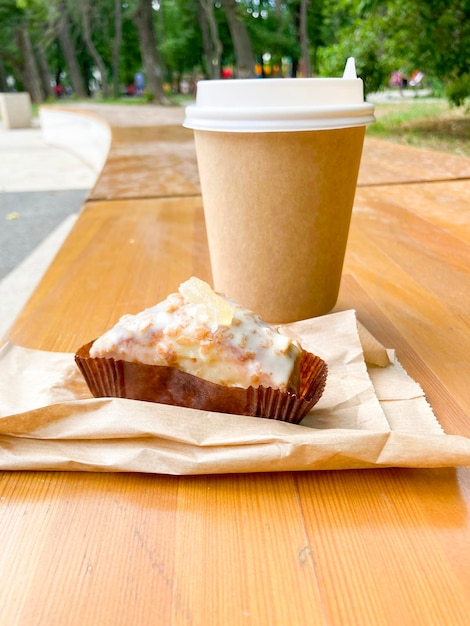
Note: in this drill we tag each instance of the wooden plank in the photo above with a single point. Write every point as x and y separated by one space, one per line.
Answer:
385 162
87 548
121 257
447 395
379 548
149 162
242 537
417 272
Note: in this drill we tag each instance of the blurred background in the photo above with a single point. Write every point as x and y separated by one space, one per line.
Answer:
157 50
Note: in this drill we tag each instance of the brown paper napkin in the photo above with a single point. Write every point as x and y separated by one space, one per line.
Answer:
372 414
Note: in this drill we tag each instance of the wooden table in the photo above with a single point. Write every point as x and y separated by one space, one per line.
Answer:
370 547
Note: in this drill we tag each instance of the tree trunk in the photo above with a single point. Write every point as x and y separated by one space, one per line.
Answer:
143 19
296 23
3 77
241 40
95 55
303 37
206 40
45 73
30 74
213 46
68 48
117 45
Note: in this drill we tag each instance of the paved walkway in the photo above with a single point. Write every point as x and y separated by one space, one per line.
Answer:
42 188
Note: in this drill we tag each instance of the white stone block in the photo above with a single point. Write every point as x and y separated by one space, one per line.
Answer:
15 110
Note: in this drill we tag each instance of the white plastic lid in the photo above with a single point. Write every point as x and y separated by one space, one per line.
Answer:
280 104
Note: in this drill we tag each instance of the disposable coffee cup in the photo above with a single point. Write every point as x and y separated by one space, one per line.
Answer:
278 162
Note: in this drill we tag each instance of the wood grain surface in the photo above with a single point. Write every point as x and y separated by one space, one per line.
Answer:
372 547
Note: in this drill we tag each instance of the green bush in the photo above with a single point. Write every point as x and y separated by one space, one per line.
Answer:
458 91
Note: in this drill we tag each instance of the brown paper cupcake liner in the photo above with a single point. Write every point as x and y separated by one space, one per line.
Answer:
168 385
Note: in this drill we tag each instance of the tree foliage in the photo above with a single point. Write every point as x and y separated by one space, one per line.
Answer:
430 35
84 45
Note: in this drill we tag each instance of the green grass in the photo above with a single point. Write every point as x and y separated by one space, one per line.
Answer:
429 124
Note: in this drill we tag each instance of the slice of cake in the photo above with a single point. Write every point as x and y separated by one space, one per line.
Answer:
196 347
205 334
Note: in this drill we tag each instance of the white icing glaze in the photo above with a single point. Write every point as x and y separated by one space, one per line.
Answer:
182 334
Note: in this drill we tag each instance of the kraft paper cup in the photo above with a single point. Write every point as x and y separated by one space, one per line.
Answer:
278 162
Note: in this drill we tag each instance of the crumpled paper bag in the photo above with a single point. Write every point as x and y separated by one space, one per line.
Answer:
372 414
